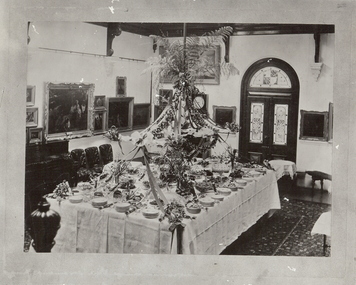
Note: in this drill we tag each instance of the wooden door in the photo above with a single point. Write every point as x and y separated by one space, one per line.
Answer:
269 112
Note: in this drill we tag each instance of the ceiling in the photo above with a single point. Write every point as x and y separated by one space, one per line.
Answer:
199 29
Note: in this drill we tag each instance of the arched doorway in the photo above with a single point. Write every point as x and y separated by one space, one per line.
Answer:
269 111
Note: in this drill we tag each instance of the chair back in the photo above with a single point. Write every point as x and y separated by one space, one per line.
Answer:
106 153
93 157
79 158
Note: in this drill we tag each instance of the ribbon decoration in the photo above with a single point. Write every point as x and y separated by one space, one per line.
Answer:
154 186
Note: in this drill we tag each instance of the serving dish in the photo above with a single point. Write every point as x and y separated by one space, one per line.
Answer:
150 213
241 182
207 202
76 199
224 191
99 202
122 207
217 197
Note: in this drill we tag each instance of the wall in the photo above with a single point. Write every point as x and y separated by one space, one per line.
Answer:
85 62
298 51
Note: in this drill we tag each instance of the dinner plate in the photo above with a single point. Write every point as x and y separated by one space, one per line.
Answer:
248 179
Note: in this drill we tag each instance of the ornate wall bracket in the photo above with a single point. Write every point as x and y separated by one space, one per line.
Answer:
316 69
114 30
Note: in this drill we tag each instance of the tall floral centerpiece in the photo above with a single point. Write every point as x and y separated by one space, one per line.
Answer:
187 131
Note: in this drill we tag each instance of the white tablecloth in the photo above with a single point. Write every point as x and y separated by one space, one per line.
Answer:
284 167
323 225
86 229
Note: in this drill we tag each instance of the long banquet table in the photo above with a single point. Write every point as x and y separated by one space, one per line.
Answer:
88 229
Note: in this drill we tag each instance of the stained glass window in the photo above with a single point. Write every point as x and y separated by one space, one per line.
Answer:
280 124
256 124
270 77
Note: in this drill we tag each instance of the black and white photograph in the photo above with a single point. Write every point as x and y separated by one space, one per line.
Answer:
236 169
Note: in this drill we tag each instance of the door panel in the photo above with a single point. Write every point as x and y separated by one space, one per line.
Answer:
269 111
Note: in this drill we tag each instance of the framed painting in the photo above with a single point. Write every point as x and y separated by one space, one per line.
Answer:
120 112
223 115
314 126
207 75
99 125
35 135
141 116
121 90
31 117
211 72
68 110
99 102
30 95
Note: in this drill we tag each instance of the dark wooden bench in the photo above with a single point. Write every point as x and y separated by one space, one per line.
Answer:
318 176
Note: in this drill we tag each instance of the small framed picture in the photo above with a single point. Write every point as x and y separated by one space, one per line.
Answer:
30 95
35 135
141 116
31 117
99 102
121 86
99 122
223 115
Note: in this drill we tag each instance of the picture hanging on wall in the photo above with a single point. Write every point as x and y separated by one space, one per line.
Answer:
99 122
30 95
223 115
68 110
121 86
314 125
99 102
120 112
35 135
31 117
141 115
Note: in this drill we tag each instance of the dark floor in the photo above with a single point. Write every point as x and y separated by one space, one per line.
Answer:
288 231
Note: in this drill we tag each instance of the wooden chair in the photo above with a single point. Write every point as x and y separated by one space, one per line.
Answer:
93 160
106 153
80 165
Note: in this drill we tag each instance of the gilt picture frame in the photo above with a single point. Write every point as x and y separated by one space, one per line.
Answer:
31 117
35 135
224 114
141 116
120 112
121 86
68 110
30 95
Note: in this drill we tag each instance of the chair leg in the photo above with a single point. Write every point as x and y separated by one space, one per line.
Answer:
313 184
